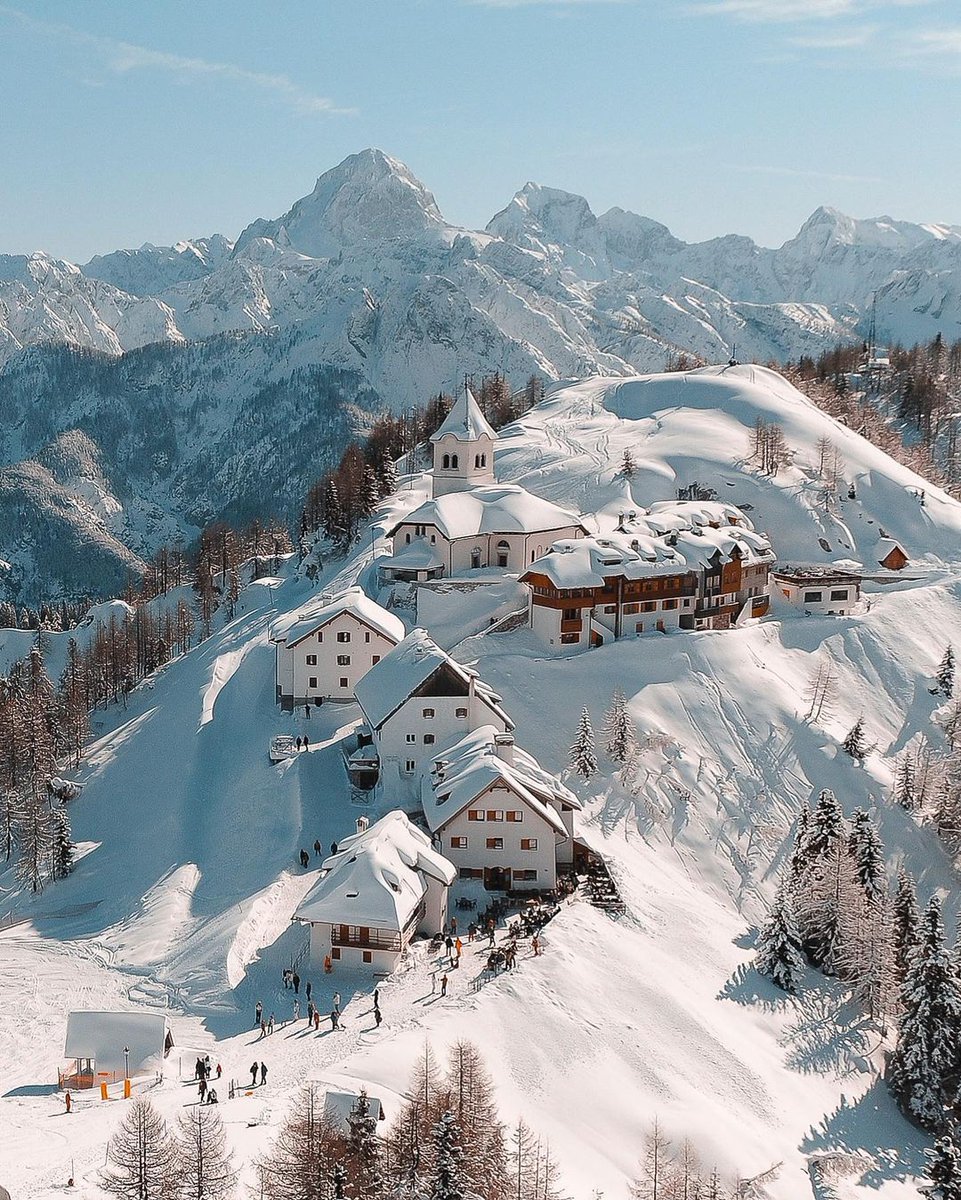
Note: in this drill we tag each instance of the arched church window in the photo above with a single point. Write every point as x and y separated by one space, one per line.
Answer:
446 462
453 462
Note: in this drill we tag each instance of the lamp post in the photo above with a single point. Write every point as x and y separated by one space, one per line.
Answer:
126 1062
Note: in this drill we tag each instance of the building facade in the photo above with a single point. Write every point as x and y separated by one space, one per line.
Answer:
824 590
322 652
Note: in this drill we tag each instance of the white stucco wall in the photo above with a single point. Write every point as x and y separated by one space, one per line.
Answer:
466 474
365 647
798 595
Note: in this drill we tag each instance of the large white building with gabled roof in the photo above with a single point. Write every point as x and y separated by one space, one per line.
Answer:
497 814
416 701
325 648
385 884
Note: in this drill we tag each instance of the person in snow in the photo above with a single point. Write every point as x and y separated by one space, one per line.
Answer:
198 1067
317 847
296 1010
212 1096
310 1012
443 985
536 945
316 1020
67 1100
337 1001
202 1089
304 858
377 1017
449 943
295 980
206 1066
253 1074
334 1020
298 744
310 988
490 934
270 1024
219 1070
263 1074
377 996
258 1017
263 1028
328 964
453 926
471 931
333 847
286 977
306 743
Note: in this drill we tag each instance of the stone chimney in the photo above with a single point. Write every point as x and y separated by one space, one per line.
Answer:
504 747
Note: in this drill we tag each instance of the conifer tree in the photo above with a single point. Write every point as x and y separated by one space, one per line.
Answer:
944 1168
864 846
779 953
62 849
143 1156
386 476
364 1149
583 751
74 704
203 1163
304 1161
904 790
854 744
819 889
907 922
927 1054
447 1183
619 732
628 465
946 672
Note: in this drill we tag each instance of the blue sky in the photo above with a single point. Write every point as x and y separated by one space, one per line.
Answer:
125 122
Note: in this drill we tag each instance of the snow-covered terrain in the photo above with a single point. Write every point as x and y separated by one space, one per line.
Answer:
187 881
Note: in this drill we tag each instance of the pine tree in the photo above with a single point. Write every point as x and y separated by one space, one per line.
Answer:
62 849
386 476
74 708
819 889
944 1168
779 953
927 1052
628 465
447 1184
583 752
203 1163
364 1150
143 1155
864 846
854 744
619 732
907 924
904 789
946 672
304 1163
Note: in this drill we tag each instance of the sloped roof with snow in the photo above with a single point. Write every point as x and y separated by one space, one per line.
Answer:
418 555
377 877
294 627
468 768
587 562
102 1037
491 508
465 421
407 667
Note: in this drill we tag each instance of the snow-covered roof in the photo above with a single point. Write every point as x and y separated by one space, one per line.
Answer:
407 667
294 627
884 547
799 572
465 421
418 555
102 1036
462 772
587 562
491 508
338 1107
377 877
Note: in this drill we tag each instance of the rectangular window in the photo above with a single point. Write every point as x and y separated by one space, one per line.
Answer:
515 815
428 714
374 660
639 627
471 872
495 843
610 608
631 608
320 637
812 597
461 714
528 843
428 739
312 681
670 604
475 814
458 843
411 738
368 956
410 766
570 614
366 637
568 638
335 952
840 594
343 660
649 606
343 681
343 636
525 876
311 660
495 814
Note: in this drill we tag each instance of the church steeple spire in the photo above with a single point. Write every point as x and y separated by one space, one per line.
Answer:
463 447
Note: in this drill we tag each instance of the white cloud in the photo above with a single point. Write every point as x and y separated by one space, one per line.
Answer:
124 57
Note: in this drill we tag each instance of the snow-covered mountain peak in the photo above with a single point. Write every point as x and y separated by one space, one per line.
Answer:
560 225
369 197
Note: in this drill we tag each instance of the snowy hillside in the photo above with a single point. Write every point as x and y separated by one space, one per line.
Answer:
188 879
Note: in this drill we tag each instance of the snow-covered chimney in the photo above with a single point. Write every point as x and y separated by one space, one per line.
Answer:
504 747
363 824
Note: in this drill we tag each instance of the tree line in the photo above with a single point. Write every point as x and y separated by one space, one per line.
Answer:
446 1142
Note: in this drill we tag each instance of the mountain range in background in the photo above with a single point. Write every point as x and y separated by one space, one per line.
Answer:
149 391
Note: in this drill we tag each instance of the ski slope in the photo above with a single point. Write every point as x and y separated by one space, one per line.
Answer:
189 875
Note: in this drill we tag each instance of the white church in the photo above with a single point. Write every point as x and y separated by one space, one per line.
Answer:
471 521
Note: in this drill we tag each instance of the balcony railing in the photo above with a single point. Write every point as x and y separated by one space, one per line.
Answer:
367 939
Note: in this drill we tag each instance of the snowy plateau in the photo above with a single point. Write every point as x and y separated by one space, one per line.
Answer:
182 368
188 835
